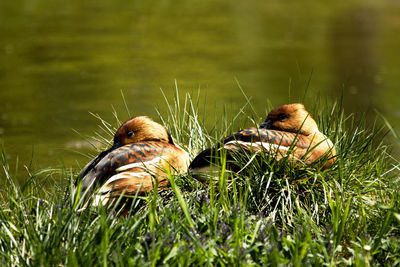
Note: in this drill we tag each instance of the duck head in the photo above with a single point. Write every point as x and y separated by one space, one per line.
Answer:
140 129
290 118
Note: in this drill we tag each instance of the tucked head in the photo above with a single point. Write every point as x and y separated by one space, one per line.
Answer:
141 129
134 130
290 118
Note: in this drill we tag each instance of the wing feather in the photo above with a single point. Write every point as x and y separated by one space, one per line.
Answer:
251 139
123 158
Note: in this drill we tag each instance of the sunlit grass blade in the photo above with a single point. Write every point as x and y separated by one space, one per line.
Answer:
269 213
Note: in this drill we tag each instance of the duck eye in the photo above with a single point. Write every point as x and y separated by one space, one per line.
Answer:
283 117
130 134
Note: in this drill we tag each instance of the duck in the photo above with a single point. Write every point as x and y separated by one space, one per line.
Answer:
288 131
143 154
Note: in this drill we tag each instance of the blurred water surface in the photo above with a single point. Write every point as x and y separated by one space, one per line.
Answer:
61 59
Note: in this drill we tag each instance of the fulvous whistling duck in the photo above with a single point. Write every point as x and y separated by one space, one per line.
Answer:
289 130
143 153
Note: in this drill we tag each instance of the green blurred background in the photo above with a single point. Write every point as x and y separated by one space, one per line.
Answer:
61 59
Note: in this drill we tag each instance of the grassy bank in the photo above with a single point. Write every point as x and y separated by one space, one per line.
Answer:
272 215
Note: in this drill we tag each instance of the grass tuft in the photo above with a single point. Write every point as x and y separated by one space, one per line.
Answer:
270 213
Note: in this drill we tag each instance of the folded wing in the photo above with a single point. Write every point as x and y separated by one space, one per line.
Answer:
255 140
132 167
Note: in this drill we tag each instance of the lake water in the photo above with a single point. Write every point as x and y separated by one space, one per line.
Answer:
61 59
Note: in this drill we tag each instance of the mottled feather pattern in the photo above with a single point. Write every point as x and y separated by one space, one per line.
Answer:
140 152
250 136
281 138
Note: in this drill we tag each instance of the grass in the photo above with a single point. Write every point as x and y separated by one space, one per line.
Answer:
269 215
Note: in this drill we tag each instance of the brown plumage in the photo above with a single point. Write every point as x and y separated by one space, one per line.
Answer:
143 154
289 130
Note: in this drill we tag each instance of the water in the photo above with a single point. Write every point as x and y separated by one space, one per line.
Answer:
59 60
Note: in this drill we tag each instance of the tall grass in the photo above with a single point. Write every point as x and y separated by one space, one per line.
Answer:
270 214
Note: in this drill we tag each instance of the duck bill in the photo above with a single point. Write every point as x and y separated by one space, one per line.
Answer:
266 124
96 160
